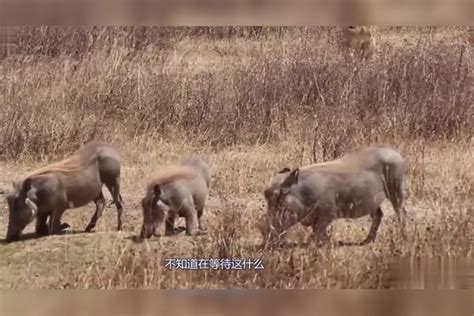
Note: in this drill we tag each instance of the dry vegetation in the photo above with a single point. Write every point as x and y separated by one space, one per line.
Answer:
250 101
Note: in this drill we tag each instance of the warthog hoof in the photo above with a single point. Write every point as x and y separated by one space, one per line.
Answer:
175 231
43 231
59 230
341 243
64 226
197 232
10 239
148 231
89 228
201 232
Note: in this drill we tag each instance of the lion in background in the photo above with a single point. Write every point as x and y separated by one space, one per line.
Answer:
359 41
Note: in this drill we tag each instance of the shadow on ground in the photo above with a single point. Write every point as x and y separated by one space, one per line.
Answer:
33 235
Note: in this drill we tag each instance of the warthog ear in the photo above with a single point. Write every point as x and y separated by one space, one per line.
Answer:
16 185
291 180
26 184
284 170
157 190
29 189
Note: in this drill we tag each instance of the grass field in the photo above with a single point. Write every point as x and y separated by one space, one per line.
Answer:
249 104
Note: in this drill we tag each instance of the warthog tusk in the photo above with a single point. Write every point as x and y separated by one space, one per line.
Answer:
32 205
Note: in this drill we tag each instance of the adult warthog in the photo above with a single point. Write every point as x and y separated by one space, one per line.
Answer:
70 183
178 191
349 187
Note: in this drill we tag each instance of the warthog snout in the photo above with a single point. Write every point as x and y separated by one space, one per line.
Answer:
147 231
282 212
22 211
154 211
148 228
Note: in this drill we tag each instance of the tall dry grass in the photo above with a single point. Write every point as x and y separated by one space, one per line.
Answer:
252 99
220 94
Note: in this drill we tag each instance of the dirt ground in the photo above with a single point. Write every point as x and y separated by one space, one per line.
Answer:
50 261
299 96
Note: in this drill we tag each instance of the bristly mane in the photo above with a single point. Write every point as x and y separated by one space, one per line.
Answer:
75 162
346 163
174 173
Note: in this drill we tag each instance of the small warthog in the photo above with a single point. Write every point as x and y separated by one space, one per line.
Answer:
179 191
70 183
359 39
349 187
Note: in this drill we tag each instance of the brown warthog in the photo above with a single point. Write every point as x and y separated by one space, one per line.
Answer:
179 191
349 187
70 183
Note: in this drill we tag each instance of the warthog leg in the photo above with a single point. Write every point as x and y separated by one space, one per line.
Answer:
394 191
41 226
191 224
397 200
99 207
401 218
376 220
62 226
55 226
169 224
114 189
320 234
188 211
201 226
191 220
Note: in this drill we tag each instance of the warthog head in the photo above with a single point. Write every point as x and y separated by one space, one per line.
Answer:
283 207
155 211
22 209
359 40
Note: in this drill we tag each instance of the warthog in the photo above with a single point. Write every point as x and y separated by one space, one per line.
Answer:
70 183
179 191
360 40
349 187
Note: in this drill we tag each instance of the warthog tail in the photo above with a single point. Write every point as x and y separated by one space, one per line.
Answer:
393 176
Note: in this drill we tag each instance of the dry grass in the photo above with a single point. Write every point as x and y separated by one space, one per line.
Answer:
250 104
